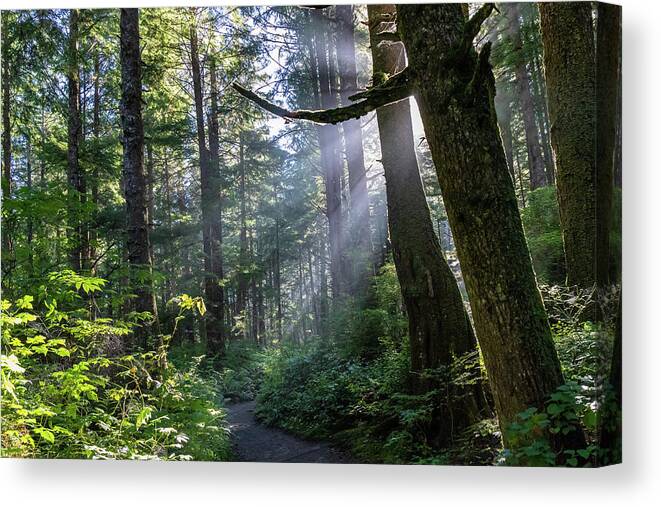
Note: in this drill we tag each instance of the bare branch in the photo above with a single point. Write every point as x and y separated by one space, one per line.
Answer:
396 88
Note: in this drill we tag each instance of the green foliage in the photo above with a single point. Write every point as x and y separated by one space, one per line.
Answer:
541 222
583 402
236 377
64 396
360 396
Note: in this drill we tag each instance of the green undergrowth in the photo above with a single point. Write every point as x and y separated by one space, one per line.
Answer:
236 376
70 390
353 388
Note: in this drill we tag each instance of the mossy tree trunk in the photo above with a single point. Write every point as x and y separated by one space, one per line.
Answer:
439 328
213 287
75 179
454 88
569 62
135 183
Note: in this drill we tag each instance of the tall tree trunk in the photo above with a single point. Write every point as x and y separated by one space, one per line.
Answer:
277 269
608 58
30 225
439 328
135 185
243 277
454 89
359 216
96 132
7 243
573 114
6 122
535 160
206 197
213 284
329 145
543 117
74 172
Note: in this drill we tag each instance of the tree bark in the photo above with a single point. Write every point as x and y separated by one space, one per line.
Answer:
535 160
243 277
572 112
135 185
6 123
359 215
7 244
75 178
439 328
455 89
213 284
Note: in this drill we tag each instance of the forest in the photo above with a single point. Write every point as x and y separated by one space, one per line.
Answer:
389 232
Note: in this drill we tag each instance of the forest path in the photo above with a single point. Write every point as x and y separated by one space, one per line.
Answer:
255 442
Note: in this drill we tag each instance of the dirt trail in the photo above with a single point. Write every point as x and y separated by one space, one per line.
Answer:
255 442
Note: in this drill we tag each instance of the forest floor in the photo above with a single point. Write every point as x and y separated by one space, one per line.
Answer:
252 441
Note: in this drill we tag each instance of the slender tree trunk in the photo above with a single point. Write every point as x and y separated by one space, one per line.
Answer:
276 268
214 289
168 217
96 132
135 185
359 216
535 160
608 58
207 196
242 290
573 115
439 328
74 173
6 122
329 141
30 226
454 90
543 117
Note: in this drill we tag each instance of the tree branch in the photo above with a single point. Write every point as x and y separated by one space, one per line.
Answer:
473 25
396 88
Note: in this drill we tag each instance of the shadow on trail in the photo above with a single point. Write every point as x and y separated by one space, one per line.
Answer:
254 442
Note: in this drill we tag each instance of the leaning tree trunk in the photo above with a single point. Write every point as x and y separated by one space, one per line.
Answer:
572 112
439 328
353 141
74 172
526 105
454 88
135 185
608 59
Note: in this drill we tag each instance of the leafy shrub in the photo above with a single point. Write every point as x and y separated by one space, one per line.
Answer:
63 397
